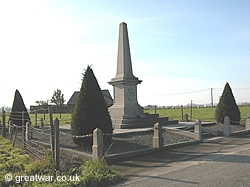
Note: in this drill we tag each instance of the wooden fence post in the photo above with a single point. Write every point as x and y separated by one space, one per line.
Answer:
35 118
191 110
52 134
158 139
198 134
57 143
181 112
11 129
41 123
23 129
97 144
3 124
247 127
14 141
227 128
28 133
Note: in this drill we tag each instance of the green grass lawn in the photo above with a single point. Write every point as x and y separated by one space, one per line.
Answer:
204 114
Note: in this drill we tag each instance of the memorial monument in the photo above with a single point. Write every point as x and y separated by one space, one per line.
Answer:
126 112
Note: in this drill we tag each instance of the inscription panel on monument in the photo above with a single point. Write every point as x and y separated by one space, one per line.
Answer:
119 94
130 94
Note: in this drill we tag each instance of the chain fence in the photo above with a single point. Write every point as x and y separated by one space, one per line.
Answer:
43 137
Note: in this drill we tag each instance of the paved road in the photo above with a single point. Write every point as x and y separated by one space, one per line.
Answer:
221 161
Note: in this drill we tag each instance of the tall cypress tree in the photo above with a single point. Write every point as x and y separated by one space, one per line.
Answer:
227 106
17 108
90 111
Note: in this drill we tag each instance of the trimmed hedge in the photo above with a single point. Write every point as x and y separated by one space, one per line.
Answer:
227 106
17 108
90 111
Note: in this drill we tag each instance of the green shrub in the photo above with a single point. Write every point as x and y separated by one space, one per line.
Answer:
17 108
98 173
90 111
227 106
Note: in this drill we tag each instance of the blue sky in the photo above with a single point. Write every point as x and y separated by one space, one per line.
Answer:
176 47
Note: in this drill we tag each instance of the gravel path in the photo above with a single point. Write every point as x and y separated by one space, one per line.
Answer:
141 140
128 141
220 127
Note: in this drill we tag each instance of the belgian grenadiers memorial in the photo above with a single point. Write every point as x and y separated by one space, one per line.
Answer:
126 111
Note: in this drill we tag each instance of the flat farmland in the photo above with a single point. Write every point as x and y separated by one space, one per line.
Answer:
204 114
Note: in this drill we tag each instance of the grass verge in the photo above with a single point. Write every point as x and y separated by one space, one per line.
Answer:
15 163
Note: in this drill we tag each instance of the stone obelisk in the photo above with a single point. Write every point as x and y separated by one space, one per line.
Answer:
125 105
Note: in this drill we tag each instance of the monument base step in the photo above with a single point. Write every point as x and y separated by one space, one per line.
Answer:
170 122
142 123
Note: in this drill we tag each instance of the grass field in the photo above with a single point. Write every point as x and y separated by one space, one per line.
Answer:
65 118
204 114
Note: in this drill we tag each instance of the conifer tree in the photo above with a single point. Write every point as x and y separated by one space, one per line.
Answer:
17 108
227 106
90 111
